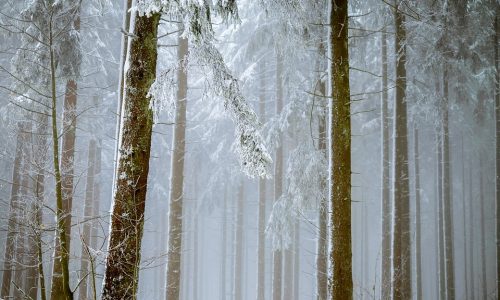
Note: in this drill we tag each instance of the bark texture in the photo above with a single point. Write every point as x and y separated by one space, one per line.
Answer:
177 179
127 220
401 246
341 253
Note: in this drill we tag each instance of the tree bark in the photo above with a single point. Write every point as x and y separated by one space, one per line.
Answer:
484 278
238 255
418 219
224 248
67 168
322 251
87 215
386 200
127 220
464 220
497 145
442 272
401 246
278 179
296 263
177 178
341 253
13 218
261 239
471 237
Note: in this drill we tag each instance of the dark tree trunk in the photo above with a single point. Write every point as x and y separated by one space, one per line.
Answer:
341 253
127 220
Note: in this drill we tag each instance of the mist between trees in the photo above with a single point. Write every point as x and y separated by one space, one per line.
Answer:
271 149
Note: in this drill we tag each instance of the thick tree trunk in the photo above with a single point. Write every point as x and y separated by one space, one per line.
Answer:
238 243
341 254
386 198
87 215
67 166
447 198
177 179
418 219
322 250
261 226
127 220
401 244
278 179
13 221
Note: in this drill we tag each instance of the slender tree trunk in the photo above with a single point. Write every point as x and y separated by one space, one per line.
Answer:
322 251
238 242
484 279
13 221
196 260
401 245
127 220
386 198
261 239
177 179
464 220
224 248
471 237
67 168
447 198
441 273
94 232
418 219
278 179
497 145
87 215
296 263
288 270
341 254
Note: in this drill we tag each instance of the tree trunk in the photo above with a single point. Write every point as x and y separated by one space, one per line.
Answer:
127 220
418 219
440 230
196 261
13 221
322 251
278 179
471 237
177 178
497 145
447 198
401 245
464 220
484 279
87 215
224 248
95 222
341 253
261 239
238 242
67 166
386 200
296 263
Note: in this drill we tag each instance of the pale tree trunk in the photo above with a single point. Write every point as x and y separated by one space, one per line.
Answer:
386 200
238 243
87 215
288 270
224 248
196 261
278 179
13 221
401 244
471 237
127 220
418 219
296 263
484 279
177 178
497 145
464 220
322 250
261 226
67 168
447 198
341 253
23 220
441 273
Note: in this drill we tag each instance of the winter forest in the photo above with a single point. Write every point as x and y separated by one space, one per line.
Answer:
239 149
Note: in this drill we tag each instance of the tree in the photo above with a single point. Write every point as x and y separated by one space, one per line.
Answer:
127 220
401 259
177 177
418 217
238 244
341 253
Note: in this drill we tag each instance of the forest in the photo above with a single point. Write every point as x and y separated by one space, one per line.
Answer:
239 149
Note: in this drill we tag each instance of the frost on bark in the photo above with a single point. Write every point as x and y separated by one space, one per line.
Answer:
386 198
174 254
401 259
341 253
13 211
87 214
127 220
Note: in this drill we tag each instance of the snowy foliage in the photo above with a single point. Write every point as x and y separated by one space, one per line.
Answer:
196 17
